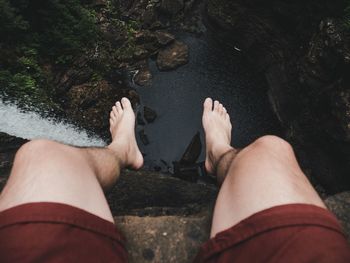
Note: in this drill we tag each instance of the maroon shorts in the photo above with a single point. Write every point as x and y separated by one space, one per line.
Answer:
50 232
287 233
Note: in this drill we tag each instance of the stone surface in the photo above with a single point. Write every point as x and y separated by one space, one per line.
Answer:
8 142
173 56
164 38
145 193
193 150
172 7
143 77
164 239
143 137
79 73
339 204
89 104
149 114
139 119
8 148
306 65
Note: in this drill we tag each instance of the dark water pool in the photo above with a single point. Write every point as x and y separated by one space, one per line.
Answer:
213 71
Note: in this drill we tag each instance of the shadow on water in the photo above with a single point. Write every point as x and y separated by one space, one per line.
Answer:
177 96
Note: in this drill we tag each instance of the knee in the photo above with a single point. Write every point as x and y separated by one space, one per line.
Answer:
273 143
34 149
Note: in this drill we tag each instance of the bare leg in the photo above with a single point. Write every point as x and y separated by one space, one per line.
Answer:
263 175
46 171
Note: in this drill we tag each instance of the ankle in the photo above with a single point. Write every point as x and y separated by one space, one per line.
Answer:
217 151
223 164
119 155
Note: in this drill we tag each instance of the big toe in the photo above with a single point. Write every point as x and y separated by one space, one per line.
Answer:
208 105
126 103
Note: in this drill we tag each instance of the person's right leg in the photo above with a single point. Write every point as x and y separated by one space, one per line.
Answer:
263 175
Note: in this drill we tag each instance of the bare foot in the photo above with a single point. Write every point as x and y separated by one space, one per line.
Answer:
122 128
217 127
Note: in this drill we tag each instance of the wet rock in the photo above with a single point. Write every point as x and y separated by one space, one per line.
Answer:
172 7
173 56
8 142
157 25
89 104
149 114
339 204
192 151
144 36
99 3
341 112
140 53
140 120
187 172
143 77
143 137
224 13
164 38
78 74
186 168
8 148
144 193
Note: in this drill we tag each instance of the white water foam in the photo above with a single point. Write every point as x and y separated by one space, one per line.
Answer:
30 125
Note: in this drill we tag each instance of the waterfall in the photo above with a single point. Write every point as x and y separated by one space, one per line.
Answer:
30 125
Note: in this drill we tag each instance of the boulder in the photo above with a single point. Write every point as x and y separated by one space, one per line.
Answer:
193 150
143 137
8 148
143 77
172 7
139 119
149 114
164 38
173 56
8 142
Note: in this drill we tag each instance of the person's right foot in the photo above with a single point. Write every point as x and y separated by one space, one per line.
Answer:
217 127
122 125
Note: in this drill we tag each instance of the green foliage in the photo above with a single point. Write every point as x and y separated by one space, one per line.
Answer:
36 32
58 30
126 51
12 23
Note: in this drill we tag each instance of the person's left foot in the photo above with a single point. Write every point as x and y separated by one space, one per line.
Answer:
122 128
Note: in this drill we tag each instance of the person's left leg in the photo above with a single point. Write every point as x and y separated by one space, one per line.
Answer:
47 171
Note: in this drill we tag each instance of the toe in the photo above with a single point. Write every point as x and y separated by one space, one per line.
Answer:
112 115
111 122
114 111
221 109
216 105
126 103
208 105
224 110
119 107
